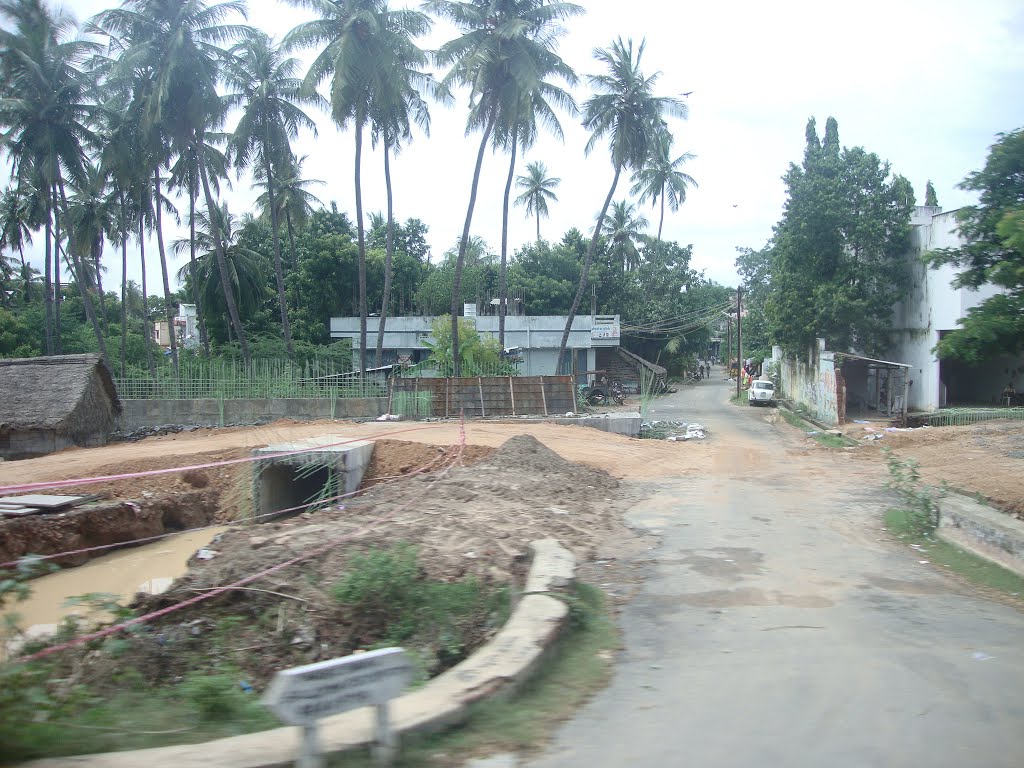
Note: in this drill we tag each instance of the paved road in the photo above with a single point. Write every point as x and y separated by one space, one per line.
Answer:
778 626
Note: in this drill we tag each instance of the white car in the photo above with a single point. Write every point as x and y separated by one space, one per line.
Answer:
761 392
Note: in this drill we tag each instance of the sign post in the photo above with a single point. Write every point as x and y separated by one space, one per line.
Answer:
303 695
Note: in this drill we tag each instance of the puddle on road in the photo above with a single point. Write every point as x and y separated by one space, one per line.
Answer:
147 568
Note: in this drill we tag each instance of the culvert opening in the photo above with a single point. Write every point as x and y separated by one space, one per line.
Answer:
287 486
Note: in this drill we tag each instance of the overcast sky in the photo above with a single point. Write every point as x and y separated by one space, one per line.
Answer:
925 85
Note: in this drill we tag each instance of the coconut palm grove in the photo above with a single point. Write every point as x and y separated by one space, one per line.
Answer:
126 128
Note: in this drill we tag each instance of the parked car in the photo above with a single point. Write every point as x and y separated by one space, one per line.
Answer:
761 392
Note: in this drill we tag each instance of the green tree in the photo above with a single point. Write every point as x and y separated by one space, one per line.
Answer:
993 253
20 214
269 95
837 261
625 111
625 230
502 54
930 198
480 356
44 113
661 179
538 189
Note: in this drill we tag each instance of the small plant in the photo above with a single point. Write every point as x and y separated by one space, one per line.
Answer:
922 509
214 697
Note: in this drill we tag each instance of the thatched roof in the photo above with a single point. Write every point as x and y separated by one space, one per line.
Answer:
43 392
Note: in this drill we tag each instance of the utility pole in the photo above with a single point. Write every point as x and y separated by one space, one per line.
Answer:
739 338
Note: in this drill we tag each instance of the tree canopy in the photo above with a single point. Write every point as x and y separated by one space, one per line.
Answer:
836 256
993 253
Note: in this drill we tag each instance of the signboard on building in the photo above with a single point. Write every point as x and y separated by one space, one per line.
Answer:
605 327
469 309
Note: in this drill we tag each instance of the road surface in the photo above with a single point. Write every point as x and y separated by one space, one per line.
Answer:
779 626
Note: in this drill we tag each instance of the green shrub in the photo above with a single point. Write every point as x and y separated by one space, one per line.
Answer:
214 697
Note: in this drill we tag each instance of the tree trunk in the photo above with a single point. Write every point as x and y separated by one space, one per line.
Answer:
538 227
661 219
362 251
97 253
26 276
58 344
204 336
124 297
222 262
168 304
463 245
275 228
147 337
503 271
48 278
83 289
389 250
585 273
295 258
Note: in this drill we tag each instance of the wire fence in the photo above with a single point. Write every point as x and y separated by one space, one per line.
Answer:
958 417
430 369
262 379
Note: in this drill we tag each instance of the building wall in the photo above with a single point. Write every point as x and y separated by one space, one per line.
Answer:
811 382
933 306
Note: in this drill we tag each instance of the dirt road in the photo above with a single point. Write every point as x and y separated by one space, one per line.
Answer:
779 626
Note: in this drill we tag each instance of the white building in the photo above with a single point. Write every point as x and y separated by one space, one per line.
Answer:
537 337
931 310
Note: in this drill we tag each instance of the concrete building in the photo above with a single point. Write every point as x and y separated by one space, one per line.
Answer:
185 326
932 310
537 337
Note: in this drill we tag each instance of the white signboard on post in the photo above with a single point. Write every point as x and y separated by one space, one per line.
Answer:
302 695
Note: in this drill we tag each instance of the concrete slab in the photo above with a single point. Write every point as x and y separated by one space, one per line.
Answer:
627 424
44 501
554 567
982 530
315 468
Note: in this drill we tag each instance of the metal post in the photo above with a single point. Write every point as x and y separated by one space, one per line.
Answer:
544 398
385 746
739 338
310 756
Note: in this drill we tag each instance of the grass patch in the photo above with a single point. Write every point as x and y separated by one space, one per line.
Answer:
976 569
822 438
579 666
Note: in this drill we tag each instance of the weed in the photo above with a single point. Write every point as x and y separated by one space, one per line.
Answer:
921 501
214 697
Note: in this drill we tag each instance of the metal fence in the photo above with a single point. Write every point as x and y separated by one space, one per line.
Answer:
433 370
957 417
261 379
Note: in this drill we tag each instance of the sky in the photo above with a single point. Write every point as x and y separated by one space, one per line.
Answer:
924 85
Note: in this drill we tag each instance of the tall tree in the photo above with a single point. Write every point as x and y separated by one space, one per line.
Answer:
355 53
503 54
398 103
625 111
538 190
930 198
837 256
269 94
19 216
661 179
175 47
44 114
992 254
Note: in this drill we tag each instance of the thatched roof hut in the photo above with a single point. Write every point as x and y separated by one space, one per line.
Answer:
50 403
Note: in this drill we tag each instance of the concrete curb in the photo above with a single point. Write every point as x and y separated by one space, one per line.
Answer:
983 531
498 668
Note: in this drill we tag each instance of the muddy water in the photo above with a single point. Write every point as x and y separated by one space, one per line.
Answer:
147 568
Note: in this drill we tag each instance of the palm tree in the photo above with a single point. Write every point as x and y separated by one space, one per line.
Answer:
20 214
172 48
294 202
268 93
354 57
660 178
397 104
246 274
624 232
503 54
624 110
538 188
44 114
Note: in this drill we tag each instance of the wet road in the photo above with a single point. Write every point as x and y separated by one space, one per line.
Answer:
778 626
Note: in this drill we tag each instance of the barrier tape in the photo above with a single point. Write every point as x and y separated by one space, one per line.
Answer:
107 632
23 487
157 537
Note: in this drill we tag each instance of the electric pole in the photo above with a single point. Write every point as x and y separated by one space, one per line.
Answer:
728 359
739 338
